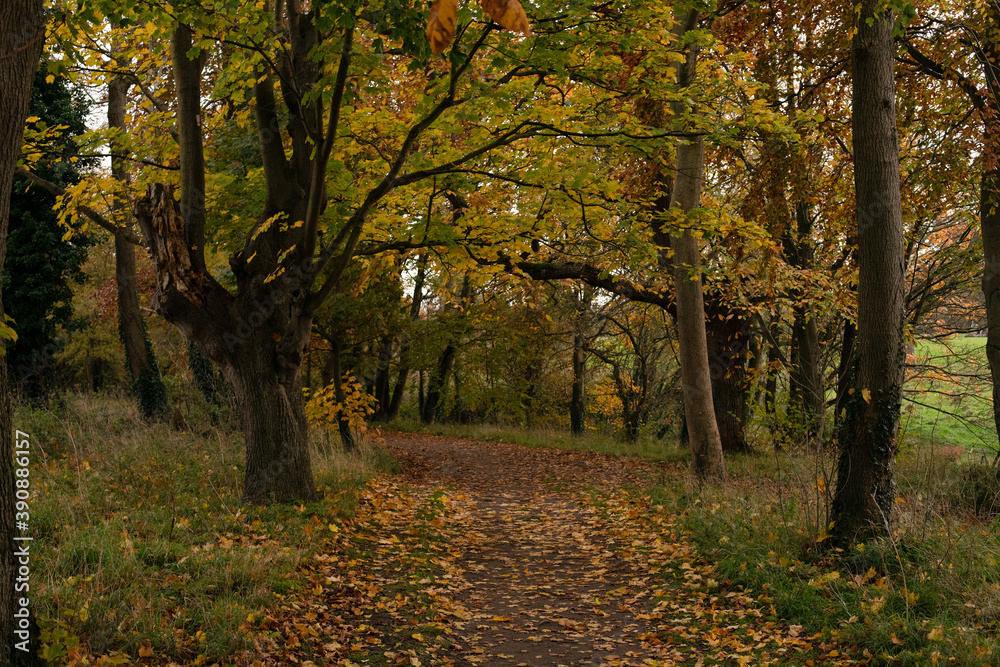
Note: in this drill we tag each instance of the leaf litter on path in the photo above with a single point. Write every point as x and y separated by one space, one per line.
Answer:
496 554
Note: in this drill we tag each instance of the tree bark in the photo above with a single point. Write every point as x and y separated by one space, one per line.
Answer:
437 383
187 79
439 378
577 407
727 354
147 385
844 370
272 409
865 496
22 33
142 365
382 393
807 395
989 201
337 377
696 382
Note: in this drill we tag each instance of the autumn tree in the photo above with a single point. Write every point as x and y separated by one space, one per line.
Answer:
305 73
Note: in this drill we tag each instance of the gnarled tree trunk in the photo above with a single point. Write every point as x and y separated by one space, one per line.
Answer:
271 405
236 333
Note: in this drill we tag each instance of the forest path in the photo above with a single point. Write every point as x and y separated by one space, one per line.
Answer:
485 553
544 585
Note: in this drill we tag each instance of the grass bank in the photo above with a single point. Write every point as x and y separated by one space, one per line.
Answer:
141 546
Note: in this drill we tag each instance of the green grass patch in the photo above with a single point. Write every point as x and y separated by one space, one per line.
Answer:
948 395
647 447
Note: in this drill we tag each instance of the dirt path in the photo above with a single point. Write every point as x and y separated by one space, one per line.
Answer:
544 584
494 554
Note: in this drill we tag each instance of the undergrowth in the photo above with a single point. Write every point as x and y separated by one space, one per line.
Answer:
926 594
141 545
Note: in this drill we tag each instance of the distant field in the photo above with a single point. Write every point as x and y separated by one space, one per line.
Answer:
947 395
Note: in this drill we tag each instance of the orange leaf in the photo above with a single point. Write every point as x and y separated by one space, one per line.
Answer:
508 13
441 24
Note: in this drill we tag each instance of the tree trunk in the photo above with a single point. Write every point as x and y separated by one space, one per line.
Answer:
865 494
382 393
256 336
404 356
439 377
577 408
22 31
773 359
142 365
274 425
727 354
696 381
436 385
989 215
989 204
337 377
806 375
147 385
845 370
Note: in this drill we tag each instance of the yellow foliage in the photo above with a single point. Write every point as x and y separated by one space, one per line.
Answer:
323 410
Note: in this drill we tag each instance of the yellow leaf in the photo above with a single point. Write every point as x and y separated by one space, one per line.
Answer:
937 634
441 24
867 395
145 651
419 637
508 13
50 78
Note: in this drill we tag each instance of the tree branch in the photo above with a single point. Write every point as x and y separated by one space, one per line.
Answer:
317 186
99 219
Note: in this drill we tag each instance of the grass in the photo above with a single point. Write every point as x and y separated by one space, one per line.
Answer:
948 395
140 540
648 447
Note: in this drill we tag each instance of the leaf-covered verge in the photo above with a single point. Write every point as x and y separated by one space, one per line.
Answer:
142 551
